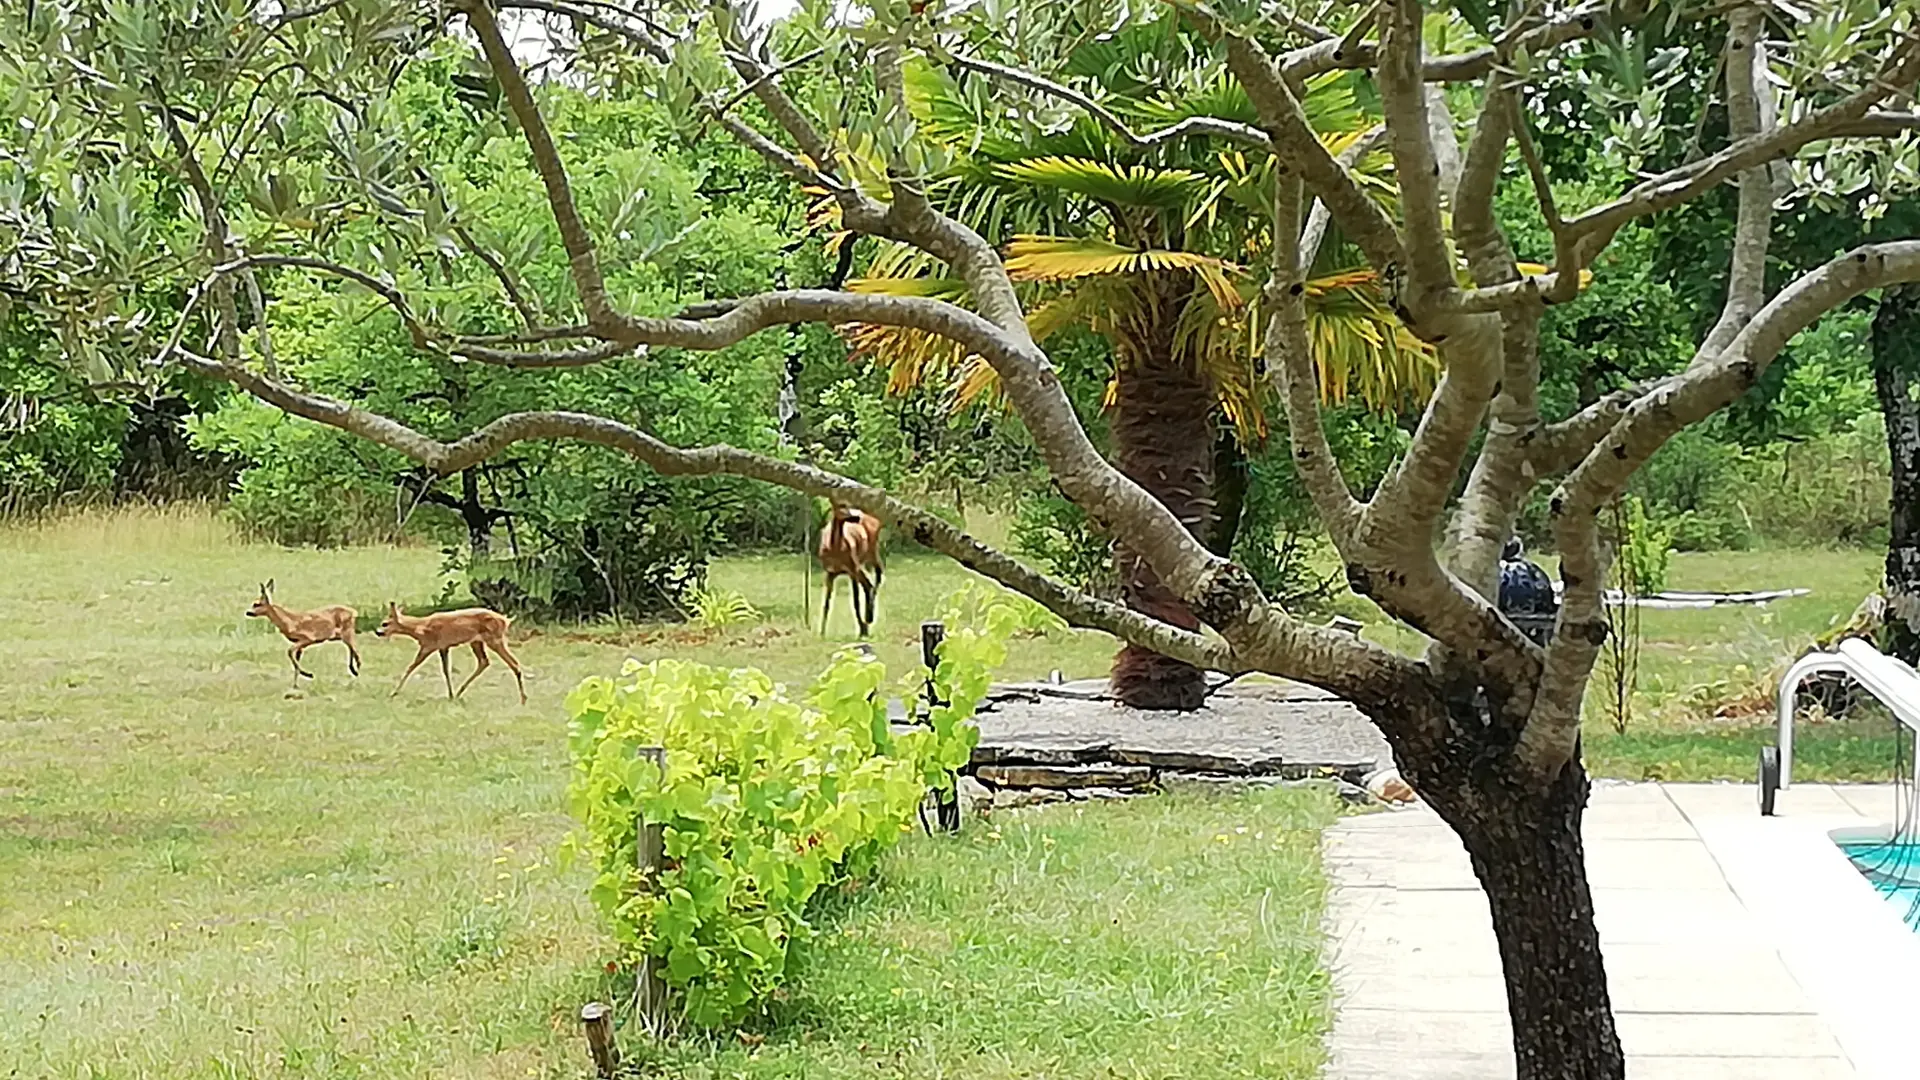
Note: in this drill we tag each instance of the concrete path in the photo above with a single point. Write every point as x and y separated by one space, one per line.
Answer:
1736 946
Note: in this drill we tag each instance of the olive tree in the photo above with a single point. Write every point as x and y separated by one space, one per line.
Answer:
1484 723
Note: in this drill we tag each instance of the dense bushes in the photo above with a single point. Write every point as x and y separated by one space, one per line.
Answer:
1802 461
766 801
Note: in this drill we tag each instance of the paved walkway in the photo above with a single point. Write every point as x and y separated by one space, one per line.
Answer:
1736 946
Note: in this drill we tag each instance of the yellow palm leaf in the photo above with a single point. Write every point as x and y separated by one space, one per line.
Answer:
1535 270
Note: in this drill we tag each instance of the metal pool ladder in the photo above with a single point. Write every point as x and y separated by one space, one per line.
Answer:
1885 677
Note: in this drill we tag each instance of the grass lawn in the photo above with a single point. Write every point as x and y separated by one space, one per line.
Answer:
1692 660
206 877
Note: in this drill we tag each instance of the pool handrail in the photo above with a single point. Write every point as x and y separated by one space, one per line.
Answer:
1887 678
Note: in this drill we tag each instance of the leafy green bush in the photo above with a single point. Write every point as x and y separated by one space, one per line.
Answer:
1645 548
765 802
717 609
979 604
1049 529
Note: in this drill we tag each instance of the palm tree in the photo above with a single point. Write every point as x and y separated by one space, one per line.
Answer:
1147 247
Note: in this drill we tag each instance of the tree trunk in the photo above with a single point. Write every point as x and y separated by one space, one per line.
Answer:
1896 378
1527 852
478 518
1229 491
1163 440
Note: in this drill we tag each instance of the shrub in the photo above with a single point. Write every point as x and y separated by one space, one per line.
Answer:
978 603
717 609
1645 548
765 802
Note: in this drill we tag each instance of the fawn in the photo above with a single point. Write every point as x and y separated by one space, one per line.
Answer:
476 627
308 628
849 545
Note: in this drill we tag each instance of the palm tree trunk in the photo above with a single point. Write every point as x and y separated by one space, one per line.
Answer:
1162 430
1896 378
1230 479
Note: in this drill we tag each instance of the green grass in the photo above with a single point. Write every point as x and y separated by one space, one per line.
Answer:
1694 662
206 877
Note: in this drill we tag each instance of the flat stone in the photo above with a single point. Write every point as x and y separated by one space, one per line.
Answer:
1199 761
1248 728
1044 749
1063 777
1015 798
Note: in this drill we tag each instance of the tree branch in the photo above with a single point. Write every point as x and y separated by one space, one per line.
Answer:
582 258
1334 55
1746 68
213 222
1404 101
1298 147
1193 125
1595 228
1289 355
1318 217
447 458
1652 419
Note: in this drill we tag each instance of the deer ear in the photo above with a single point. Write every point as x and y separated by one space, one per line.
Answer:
268 587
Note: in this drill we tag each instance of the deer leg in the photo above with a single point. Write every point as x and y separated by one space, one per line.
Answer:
826 605
500 647
408 674
293 654
480 658
446 669
861 588
873 593
353 654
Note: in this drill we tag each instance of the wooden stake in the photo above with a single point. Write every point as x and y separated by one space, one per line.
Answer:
650 990
597 1018
946 803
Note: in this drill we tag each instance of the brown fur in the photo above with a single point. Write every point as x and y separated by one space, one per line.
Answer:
475 627
308 628
849 547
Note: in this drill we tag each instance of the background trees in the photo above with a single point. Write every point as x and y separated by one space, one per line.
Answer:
156 107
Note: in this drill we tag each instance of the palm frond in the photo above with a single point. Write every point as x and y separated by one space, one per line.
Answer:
1535 270
1066 258
1125 185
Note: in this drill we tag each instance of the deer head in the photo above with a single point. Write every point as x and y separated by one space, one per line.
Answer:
389 624
261 605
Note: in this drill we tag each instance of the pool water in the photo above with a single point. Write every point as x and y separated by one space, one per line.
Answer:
1894 870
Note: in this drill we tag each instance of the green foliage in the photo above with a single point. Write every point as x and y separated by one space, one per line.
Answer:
1049 529
1715 494
1004 614
765 802
857 431
1643 547
303 484
717 609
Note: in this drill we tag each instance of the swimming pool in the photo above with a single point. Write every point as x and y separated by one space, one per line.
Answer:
1893 867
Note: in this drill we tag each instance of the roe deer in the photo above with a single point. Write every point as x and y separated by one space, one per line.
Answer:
308 628
476 627
849 545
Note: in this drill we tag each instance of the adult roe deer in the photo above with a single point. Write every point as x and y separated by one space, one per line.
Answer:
308 628
476 627
849 545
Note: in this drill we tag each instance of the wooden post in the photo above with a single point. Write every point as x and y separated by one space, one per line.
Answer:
650 990
931 635
597 1018
946 804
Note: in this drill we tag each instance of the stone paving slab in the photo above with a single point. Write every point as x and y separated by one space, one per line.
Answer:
1252 728
1704 984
